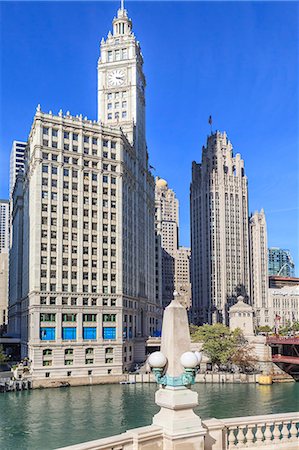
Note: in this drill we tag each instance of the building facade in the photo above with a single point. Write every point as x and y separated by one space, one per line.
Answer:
167 240
281 262
88 302
284 304
3 289
4 226
17 156
4 251
259 268
183 276
219 231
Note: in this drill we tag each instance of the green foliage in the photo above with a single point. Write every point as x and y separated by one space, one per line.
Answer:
264 329
219 342
295 326
3 357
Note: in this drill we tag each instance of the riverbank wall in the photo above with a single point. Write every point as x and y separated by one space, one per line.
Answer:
137 378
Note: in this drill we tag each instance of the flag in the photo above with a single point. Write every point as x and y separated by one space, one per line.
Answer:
210 120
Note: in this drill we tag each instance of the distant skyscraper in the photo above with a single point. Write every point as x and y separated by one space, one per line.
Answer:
4 249
167 224
86 301
259 267
16 162
281 262
219 231
4 226
182 275
173 261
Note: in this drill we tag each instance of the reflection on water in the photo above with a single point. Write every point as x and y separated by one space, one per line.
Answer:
50 418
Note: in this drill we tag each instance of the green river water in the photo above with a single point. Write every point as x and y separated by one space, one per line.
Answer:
50 418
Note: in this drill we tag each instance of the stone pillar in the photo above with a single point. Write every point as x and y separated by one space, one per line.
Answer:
182 428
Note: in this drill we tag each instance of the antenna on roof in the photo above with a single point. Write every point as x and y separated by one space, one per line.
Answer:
122 7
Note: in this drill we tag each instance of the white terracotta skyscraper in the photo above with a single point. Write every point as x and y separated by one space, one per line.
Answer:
87 301
219 231
259 267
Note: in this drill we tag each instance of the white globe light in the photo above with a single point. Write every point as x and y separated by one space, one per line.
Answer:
189 360
199 356
157 360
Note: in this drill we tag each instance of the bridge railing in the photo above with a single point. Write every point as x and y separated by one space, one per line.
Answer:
270 432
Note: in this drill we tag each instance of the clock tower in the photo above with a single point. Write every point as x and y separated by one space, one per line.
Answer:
121 82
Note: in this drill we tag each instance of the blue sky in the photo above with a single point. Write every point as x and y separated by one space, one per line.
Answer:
235 60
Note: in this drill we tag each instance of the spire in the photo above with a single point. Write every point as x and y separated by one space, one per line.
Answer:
122 25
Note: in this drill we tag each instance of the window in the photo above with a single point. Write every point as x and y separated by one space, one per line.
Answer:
47 363
69 333
109 333
105 179
109 317
75 137
45 130
109 106
66 135
54 170
44 168
68 351
54 132
68 362
124 114
89 317
89 333
69 317
66 172
47 333
110 57
109 116
47 317
47 352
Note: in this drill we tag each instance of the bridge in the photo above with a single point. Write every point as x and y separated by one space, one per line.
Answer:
285 354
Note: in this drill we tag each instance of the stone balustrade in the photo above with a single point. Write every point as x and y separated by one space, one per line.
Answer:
269 432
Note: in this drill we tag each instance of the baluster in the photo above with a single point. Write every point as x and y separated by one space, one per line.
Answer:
231 439
250 436
268 433
285 431
259 435
239 438
276 433
293 431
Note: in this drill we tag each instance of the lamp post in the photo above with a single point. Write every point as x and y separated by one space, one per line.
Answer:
175 368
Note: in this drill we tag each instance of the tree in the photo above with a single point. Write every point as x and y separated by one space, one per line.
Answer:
244 358
219 342
3 357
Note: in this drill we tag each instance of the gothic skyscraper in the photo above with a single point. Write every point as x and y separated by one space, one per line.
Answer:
219 231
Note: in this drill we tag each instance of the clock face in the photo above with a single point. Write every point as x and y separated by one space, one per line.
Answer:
116 78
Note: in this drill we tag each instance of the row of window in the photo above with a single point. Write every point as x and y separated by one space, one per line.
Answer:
70 333
117 55
74 301
75 137
117 115
69 317
74 288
